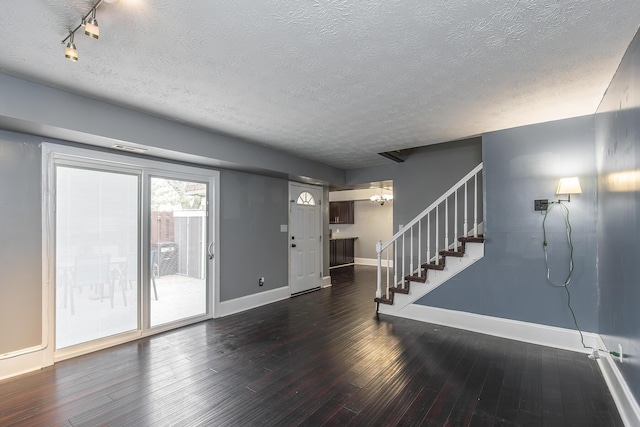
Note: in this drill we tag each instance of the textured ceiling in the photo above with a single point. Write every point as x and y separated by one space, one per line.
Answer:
336 81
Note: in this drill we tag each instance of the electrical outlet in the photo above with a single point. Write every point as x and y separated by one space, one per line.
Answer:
261 281
540 205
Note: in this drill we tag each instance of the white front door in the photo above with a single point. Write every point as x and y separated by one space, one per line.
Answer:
305 237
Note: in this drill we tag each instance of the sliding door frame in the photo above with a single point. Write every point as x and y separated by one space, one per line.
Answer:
56 154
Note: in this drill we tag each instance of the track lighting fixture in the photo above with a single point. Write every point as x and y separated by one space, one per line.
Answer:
90 28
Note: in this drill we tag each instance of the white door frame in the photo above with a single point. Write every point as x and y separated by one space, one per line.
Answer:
292 201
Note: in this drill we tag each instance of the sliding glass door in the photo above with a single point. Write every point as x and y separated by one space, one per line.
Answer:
132 244
97 235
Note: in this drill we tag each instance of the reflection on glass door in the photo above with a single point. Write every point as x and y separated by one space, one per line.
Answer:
96 254
178 233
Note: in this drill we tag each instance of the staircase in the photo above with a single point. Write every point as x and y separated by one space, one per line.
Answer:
410 269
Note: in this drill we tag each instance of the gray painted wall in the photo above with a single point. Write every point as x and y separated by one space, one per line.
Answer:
521 165
252 208
424 176
618 162
36 109
21 248
372 222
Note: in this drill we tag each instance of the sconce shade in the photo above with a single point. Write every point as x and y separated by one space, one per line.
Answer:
569 186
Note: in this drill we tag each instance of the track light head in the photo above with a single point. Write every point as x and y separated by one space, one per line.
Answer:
91 26
71 53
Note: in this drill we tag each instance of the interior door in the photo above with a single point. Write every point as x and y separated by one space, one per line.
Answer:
305 238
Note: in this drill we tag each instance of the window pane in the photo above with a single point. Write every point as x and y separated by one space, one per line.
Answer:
306 198
96 254
178 250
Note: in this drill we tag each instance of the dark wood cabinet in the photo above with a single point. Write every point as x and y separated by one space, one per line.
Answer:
341 251
341 212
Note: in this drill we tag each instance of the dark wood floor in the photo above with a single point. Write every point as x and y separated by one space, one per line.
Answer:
317 359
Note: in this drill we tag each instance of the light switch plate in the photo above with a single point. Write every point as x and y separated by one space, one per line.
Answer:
284 228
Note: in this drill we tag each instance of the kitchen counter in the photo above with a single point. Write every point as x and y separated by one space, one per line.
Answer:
339 237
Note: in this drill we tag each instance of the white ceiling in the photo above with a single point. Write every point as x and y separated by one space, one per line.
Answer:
336 81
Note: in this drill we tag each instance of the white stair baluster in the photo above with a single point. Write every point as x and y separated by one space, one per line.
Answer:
475 207
429 237
465 230
411 261
419 246
446 224
388 272
395 263
379 275
403 260
437 235
455 224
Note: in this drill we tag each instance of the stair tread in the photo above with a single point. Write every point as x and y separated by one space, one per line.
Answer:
384 301
471 239
458 254
399 290
430 266
421 279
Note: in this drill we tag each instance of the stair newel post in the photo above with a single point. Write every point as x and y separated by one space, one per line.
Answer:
429 237
411 252
455 223
446 224
379 285
475 206
466 229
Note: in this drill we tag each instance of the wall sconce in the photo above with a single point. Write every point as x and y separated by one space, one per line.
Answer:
568 186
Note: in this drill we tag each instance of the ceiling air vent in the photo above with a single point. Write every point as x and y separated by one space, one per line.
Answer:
129 148
393 155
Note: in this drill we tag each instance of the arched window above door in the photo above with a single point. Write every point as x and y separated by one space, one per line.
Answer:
306 198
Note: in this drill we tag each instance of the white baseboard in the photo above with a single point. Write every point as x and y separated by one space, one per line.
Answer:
550 336
371 261
326 281
622 395
248 302
27 360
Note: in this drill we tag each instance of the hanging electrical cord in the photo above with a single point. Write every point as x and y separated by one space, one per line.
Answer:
567 280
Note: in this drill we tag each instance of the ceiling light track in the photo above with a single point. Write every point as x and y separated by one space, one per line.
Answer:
91 29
